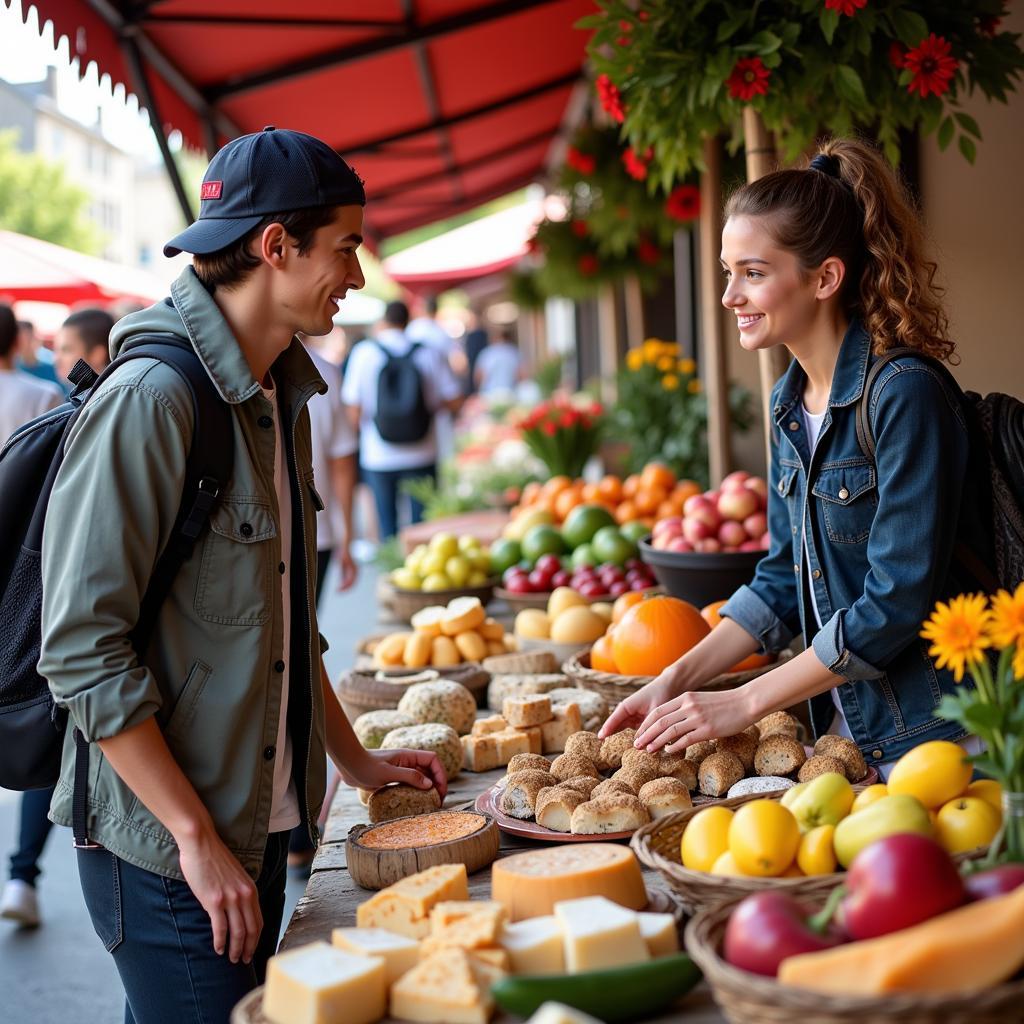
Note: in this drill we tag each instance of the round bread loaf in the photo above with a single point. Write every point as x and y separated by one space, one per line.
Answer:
443 740
743 745
615 746
642 760
778 755
780 723
635 777
718 772
820 764
519 797
522 762
555 805
847 751
586 744
443 701
696 752
616 812
570 766
610 786
664 796
678 766
585 784
372 726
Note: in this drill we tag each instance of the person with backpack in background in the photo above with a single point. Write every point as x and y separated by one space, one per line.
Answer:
22 396
394 389
85 334
205 738
866 533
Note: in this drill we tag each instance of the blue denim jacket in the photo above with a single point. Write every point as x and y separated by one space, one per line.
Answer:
879 544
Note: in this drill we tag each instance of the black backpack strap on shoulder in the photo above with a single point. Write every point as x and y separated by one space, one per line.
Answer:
865 436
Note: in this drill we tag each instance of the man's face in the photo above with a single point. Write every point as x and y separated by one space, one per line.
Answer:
68 348
313 286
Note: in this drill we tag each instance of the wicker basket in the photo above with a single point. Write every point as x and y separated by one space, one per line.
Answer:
371 689
522 663
404 604
616 688
747 998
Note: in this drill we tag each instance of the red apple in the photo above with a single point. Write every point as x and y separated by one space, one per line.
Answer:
694 502
621 587
708 546
734 480
640 585
518 585
660 542
755 525
737 504
758 486
549 564
766 542
731 534
560 579
750 545
697 529
539 581
679 544
713 496
591 588
672 525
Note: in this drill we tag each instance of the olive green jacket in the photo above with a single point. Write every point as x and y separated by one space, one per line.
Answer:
212 672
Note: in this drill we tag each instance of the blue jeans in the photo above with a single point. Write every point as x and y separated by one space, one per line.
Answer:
384 485
33 829
162 940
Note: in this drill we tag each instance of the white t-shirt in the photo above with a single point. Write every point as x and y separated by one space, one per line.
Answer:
284 809
498 368
333 438
430 332
360 389
23 398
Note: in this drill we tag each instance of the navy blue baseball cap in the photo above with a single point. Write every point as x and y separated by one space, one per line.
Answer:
258 175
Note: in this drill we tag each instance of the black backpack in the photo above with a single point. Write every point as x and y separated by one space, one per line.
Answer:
988 553
402 415
31 726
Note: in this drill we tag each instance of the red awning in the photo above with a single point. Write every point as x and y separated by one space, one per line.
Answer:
440 105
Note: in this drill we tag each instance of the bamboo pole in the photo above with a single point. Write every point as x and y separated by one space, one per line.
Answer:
713 355
607 341
634 302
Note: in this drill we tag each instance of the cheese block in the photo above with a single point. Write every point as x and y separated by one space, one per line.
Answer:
535 946
531 883
449 987
466 924
404 907
530 709
559 1013
480 753
318 983
449 912
565 722
496 957
599 934
660 933
484 726
534 736
398 953
511 742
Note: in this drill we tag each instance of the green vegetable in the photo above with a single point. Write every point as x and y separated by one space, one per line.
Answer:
617 994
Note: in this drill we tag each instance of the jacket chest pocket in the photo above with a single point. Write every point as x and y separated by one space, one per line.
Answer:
849 499
235 574
788 489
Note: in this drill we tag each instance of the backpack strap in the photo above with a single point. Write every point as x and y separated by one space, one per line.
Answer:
208 469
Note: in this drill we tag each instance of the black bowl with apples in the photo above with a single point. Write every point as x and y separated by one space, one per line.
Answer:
606 582
700 578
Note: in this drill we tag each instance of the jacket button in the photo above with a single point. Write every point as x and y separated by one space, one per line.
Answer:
280 568
877 754
269 753
245 529
278 666
816 574
793 529
265 422
843 493
796 568
793 425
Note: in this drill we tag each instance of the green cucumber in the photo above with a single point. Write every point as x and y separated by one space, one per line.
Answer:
617 994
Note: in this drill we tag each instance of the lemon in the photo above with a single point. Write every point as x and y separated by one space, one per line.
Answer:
436 581
988 790
868 796
934 772
726 865
763 838
816 855
706 838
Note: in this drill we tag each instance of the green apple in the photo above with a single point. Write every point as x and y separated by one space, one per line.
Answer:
434 562
444 544
826 801
457 569
467 545
792 793
437 581
886 817
477 579
406 579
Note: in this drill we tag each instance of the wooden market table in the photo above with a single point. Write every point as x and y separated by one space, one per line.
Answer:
332 896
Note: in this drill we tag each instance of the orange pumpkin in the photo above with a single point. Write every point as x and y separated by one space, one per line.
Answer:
654 633
602 658
710 614
624 602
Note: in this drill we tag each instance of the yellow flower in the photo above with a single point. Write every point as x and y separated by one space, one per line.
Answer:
695 387
958 632
634 359
666 363
652 348
1018 661
687 367
1007 623
670 382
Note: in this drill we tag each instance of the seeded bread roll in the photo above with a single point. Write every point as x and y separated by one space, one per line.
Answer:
819 764
718 772
664 796
743 745
642 760
522 712
779 723
555 805
399 801
587 744
585 784
610 786
677 766
753 730
520 795
571 766
846 751
526 762
778 755
634 777
615 746
371 728
617 812
696 752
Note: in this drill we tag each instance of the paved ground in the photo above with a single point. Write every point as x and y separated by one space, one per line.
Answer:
59 973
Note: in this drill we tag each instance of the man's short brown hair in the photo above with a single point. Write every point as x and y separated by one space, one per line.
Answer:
231 265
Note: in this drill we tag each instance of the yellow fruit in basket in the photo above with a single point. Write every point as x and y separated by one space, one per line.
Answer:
495 647
433 562
444 544
578 626
726 865
988 790
481 561
491 629
764 838
477 578
428 620
406 579
471 646
966 823
461 614
816 855
468 544
934 773
444 653
604 609
705 838
457 569
533 624
435 582
391 650
563 598
866 797
417 651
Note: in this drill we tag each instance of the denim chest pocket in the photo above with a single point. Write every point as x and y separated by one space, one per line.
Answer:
235 574
848 494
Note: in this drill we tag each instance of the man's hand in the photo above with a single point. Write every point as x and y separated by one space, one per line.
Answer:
419 768
348 571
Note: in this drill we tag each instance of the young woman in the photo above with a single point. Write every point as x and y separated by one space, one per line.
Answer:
828 261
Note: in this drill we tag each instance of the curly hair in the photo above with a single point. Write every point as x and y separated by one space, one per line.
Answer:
864 216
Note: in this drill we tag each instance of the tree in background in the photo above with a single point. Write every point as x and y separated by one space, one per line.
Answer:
37 199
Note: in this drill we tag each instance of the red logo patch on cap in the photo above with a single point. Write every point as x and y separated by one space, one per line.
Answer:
211 190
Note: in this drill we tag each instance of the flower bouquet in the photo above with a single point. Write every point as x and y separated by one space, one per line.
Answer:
563 435
985 638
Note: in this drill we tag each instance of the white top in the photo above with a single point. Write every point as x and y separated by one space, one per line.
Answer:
498 367
360 389
23 398
333 438
428 331
284 809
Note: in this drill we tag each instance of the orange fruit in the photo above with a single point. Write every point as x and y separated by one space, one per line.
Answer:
601 657
591 493
565 502
752 661
685 489
625 511
631 485
647 499
656 474
610 489
667 509
623 603
710 613
655 633
530 494
556 485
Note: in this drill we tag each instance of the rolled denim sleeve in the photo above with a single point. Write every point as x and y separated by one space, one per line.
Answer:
921 457
768 608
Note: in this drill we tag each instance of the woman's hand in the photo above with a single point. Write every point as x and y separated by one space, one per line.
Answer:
637 707
419 768
693 717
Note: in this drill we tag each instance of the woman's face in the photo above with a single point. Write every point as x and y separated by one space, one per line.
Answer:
773 301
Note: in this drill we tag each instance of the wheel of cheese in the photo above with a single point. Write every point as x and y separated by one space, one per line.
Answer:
442 700
530 884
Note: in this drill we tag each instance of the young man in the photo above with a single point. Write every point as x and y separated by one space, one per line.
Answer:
84 335
22 396
498 368
386 464
33 356
210 749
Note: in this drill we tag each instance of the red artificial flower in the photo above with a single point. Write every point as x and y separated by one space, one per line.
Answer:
847 7
897 54
533 244
549 429
625 26
586 422
568 419
931 66
579 228
588 264
683 203
643 16
610 97
647 252
584 163
749 78
596 409
636 165
989 24
623 41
